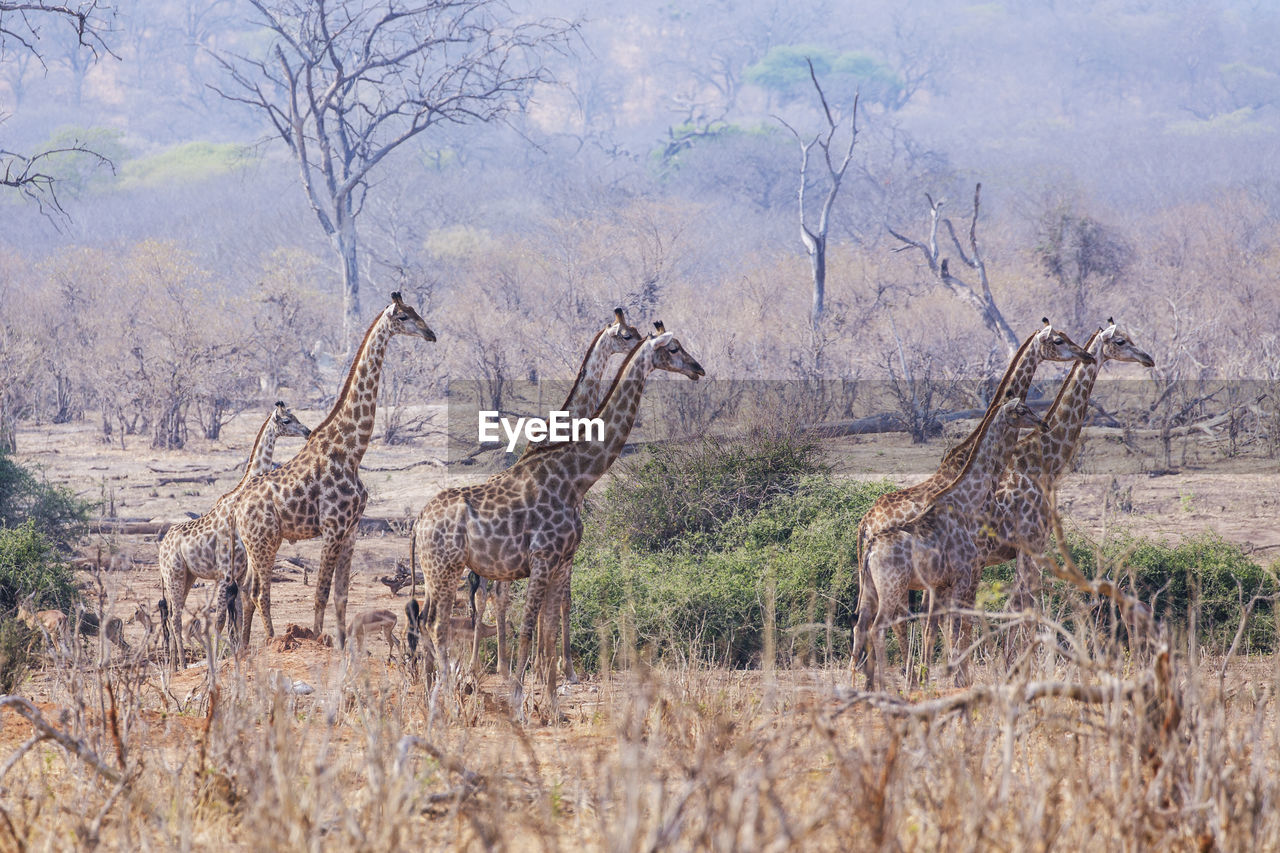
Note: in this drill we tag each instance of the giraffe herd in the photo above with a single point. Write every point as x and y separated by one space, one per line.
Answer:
989 501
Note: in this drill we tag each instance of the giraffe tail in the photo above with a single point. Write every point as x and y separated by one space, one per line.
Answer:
413 561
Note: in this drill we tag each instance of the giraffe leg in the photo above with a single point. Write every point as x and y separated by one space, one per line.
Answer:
963 596
250 607
565 640
929 632
860 649
504 633
177 599
342 584
481 594
538 571
262 558
549 633
324 580
892 602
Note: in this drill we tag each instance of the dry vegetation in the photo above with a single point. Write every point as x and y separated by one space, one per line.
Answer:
1085 747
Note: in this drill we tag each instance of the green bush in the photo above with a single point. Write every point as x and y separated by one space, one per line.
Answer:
53 509
703 594
30 564
684 492
1203 574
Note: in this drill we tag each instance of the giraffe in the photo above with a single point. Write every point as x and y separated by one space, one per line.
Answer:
936 550
586 395
1021 507
190 550
318 493
526 521
1046 344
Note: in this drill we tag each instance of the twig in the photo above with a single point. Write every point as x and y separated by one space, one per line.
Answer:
47 731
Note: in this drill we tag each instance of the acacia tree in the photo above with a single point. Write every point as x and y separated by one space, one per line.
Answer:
22 29
345 83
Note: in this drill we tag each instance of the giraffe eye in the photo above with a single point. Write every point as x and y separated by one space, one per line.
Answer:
1120 342
1057 340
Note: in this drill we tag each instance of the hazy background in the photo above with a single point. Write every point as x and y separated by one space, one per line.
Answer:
1126 152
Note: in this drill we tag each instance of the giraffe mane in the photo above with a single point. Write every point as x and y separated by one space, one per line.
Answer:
996 399
257 441
351 376
582 369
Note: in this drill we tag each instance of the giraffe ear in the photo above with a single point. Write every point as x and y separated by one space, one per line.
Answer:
663 339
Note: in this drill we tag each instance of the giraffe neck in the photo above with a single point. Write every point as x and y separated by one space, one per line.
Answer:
263 449
349 424
589 389
580 464
968 492
1066 416
1017 381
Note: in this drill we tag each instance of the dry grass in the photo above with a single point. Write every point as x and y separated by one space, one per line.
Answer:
1082 745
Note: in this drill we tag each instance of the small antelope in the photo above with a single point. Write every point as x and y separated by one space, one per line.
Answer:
51 622
373 621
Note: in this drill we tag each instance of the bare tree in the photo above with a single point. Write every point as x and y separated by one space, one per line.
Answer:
22 27
345 83
814 234
976 296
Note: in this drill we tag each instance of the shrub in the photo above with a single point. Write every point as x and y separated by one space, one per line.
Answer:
30 564
17 653
704 594
54 510
1203 574
679 490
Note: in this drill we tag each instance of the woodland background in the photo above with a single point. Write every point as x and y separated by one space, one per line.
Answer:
1125 151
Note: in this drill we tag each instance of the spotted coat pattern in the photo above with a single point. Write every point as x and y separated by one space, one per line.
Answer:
1022 505
526 521
586 395
936 551
1047 344
318 493
189 550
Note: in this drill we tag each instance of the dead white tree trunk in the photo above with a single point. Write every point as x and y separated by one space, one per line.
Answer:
814 234
978 297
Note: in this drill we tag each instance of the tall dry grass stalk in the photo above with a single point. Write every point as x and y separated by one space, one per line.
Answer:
1104 732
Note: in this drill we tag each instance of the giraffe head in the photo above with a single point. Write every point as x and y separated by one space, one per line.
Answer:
1054 345
405 320
286 423
1118 346
620 338
668 354
1018 414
